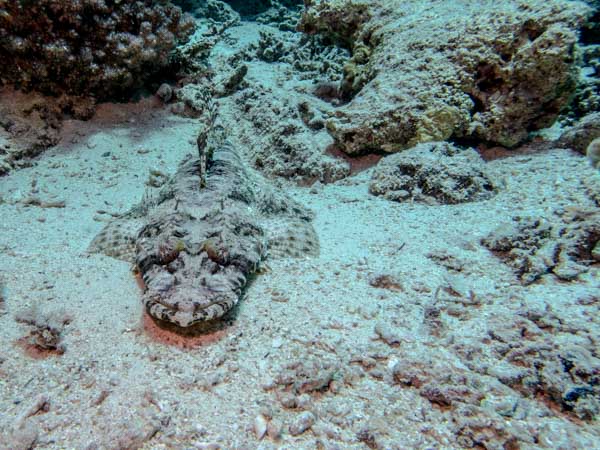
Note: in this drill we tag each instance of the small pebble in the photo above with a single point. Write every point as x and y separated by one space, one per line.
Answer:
200 429
268 384
207 446
303 401
316 188
593 153
260 426
288 400
596 251
274 430
302 423
386 334
178 108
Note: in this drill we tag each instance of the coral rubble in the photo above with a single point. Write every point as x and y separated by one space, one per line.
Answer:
565 245
280 118
289 138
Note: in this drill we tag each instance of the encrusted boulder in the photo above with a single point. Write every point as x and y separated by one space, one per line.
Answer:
579 136
433 173
426 71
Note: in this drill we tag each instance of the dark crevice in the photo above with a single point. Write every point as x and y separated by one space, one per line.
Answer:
488 78
471 142
532 30
246 9
478 105
590 32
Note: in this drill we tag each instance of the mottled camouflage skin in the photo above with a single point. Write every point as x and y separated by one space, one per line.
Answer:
197 244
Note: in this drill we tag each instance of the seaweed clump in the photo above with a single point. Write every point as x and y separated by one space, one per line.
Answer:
104 49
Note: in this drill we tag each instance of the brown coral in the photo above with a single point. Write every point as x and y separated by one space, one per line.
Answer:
87 47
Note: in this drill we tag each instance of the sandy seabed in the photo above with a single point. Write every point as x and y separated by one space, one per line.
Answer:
388 339
322 319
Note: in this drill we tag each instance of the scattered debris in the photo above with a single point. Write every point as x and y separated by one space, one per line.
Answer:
45 334
562 244
3 294
34 201
386 281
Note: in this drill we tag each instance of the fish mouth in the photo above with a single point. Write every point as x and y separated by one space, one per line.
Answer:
185 310
191 294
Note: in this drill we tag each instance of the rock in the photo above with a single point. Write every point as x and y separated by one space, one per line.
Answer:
288 400
435 172
387 334
386 281
31 123
270 47
178 108
283 15
156 178
284 122
274 430
45 332
580 135
232 81
369 437
282 144
423 71
314 379
303 422
214 10
260 426
561 372
593 153
193 100
207 446
23 437
596 251
165 93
